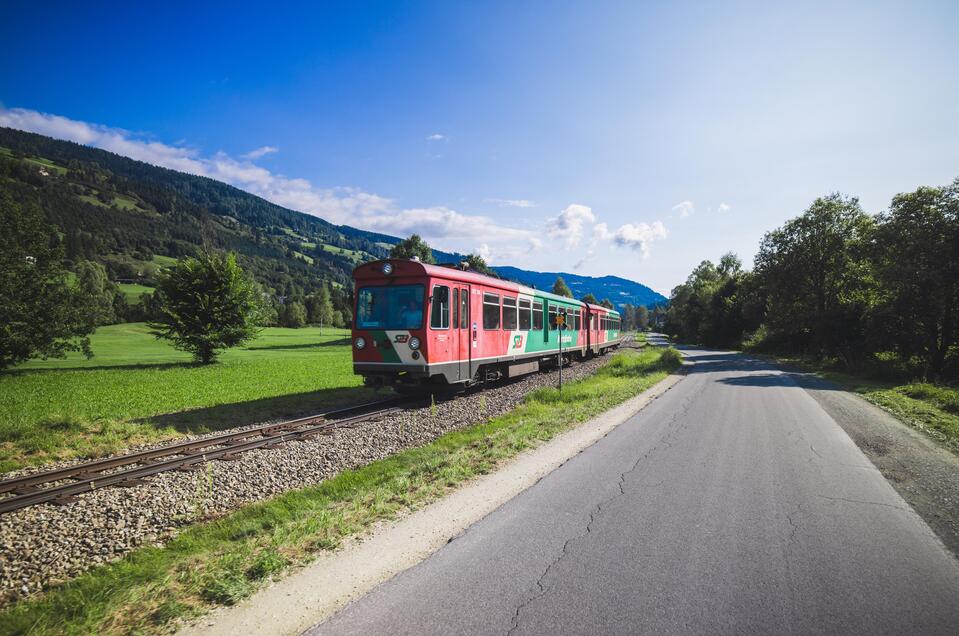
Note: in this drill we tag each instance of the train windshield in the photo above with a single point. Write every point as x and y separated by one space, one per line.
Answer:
393 307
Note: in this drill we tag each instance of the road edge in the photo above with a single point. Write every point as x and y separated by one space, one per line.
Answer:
308 596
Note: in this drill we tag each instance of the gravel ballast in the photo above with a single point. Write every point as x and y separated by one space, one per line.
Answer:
46 544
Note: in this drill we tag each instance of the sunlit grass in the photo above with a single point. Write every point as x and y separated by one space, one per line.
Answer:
224 561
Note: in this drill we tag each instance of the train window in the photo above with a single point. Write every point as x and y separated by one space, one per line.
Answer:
552 317
440 308
537 315
490 311
393 307
509 313
575 320
465 310
525 315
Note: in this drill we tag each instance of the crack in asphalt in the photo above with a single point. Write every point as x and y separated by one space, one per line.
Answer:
861 501
663 443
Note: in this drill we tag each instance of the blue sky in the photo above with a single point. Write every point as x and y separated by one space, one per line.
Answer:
603 138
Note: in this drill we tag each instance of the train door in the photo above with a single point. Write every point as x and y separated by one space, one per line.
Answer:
462 332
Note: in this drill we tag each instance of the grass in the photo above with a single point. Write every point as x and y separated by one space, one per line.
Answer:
353 255
133 291
138 389
930 408
224 561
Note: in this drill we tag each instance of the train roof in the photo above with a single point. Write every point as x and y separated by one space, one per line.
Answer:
408 267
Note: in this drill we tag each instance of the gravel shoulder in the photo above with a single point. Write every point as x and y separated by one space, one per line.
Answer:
47 544
922 472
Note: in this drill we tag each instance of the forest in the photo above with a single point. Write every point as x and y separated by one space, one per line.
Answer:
838 285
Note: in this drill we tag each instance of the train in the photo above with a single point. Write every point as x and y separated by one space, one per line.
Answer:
420 327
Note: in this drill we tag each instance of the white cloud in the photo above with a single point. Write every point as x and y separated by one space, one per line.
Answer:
568 226
513 203
436 137
261 152
723 207
639 237
685 208
344 205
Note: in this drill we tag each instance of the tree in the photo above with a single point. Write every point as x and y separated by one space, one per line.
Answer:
99 292
207 304
588 298
477 263
608 304
293 315
320 308
641 318
916 263
813 271
560 288
41 313
413 246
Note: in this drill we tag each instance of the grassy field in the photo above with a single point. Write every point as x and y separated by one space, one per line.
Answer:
931 408
132 292
221 562
138 389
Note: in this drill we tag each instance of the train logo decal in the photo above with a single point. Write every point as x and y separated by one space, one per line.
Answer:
518 341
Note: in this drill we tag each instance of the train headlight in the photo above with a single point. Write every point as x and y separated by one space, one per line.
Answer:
387 269
360 342
414 343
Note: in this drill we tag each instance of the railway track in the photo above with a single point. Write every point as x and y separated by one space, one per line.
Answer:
63 485
134 468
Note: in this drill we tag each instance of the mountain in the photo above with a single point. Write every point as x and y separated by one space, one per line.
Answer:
619 290
134 218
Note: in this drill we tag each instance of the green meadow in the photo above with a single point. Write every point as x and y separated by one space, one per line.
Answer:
138 389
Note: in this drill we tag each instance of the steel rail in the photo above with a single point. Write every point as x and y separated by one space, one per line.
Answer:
134 475
179 448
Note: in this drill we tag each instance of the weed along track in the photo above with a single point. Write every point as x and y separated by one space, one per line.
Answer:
87 477
43 543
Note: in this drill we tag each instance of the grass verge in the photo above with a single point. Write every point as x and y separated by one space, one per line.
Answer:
930 408
221 562
138 389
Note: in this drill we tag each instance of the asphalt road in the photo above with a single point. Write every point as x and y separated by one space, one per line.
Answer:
732 504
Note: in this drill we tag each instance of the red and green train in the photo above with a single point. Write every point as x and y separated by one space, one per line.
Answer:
420 326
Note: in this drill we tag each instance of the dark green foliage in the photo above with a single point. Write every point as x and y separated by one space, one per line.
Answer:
916 265
103 297
41 313
588 298
207 304
715 304
477 263
837 284
292 314
607 303
815 276
413 246
560 288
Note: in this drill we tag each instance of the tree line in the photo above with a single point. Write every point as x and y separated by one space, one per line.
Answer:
837 283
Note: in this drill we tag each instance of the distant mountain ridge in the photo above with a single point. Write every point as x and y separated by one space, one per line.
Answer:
133 216
619 290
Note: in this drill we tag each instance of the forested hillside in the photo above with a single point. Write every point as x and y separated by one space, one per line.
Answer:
132 218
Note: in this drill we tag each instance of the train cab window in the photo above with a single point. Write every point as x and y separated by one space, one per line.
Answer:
537 315
525 315
465 310
440 308
490 311
393 307
509 313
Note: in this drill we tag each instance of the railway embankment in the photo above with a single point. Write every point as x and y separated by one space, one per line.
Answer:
186 529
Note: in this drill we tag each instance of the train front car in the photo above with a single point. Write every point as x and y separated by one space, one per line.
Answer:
420 327
389 328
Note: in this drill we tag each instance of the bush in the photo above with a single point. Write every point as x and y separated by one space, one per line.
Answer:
671 359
